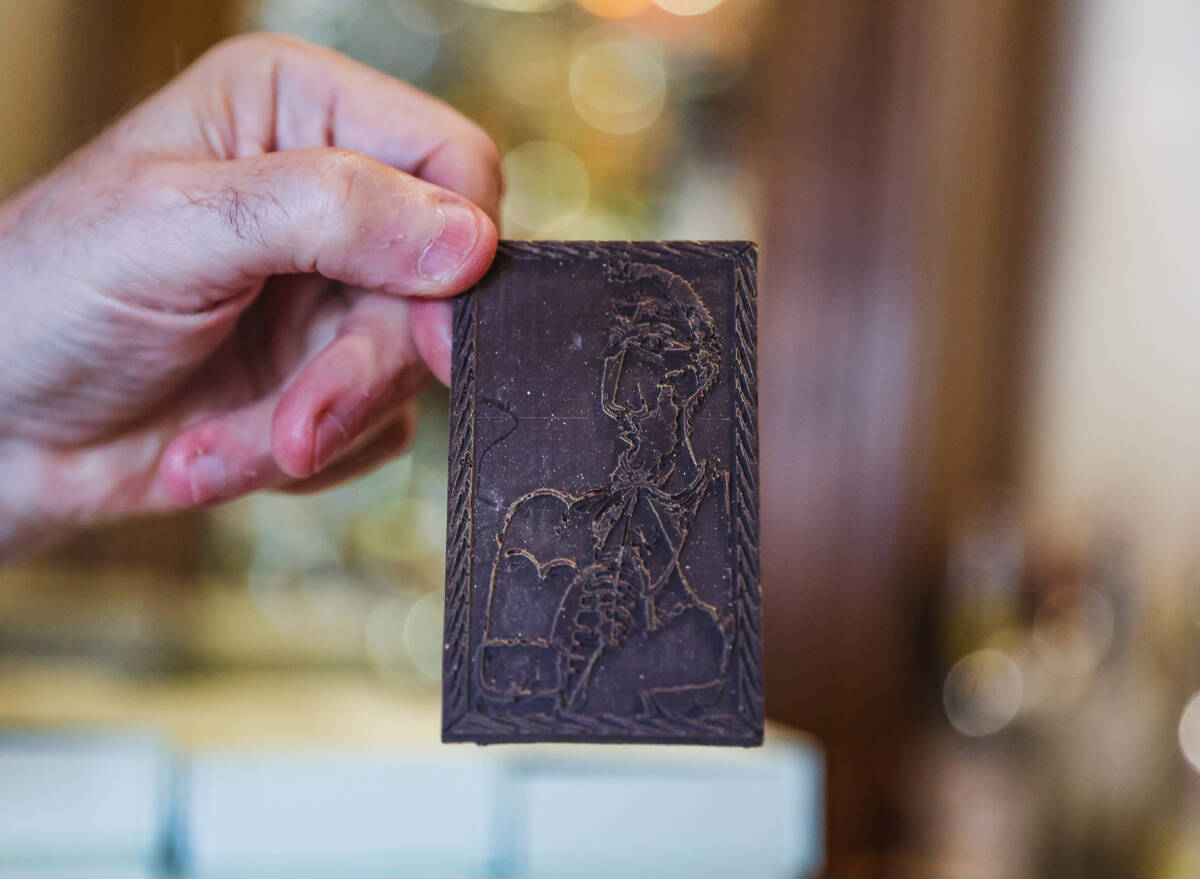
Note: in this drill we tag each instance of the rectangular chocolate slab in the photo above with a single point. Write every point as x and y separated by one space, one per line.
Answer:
602 578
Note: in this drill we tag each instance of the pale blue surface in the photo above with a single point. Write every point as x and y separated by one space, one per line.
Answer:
69 798
121 806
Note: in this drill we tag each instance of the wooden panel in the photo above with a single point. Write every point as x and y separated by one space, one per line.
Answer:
897 145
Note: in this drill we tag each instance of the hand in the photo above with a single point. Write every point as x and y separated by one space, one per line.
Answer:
240 285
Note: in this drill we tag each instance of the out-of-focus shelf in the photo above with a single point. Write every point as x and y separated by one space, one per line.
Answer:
243 709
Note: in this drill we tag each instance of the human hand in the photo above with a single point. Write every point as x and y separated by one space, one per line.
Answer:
240 285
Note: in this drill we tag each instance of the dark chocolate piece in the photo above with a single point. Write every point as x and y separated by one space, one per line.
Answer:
602 549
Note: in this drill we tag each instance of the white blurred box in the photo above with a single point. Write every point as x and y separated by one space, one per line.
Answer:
116 806
324 811
519 812
687 812
73 800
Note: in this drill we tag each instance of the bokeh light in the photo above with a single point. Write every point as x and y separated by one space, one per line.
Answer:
423 634
383 637
407 531
614 8
618 86
983 692
547 187
528 58
371 36
519 5
1189 731
687 7
317 22
712 200
596 224
430 16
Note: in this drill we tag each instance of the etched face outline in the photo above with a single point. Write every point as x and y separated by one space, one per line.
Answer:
661 361
628 571
651 356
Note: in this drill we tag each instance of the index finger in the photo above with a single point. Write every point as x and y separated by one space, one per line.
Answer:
262 92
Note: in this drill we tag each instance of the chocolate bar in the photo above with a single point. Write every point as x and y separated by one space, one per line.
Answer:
602 576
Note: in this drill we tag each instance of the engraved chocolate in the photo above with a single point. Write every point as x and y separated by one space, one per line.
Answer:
602 550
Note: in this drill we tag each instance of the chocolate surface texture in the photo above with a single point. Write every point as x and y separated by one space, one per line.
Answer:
602 548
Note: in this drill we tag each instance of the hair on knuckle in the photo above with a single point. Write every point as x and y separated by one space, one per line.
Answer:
241 212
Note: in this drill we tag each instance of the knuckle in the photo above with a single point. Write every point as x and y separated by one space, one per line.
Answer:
481 143
249 52
252 47
241 212
338 175
324 206
222 53
488 155
143 183
135 189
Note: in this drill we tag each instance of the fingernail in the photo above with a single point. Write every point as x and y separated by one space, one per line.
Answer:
445 254
207 477
330 436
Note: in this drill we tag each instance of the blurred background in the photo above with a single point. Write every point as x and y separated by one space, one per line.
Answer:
980 296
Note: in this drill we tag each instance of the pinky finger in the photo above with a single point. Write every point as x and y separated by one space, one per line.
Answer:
431 320
391 440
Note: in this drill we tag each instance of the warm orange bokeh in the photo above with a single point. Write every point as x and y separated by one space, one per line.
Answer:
614 8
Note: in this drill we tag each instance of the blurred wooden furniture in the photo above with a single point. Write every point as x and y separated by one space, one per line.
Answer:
54 48
899 150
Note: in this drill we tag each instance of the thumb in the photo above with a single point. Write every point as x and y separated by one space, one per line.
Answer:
330 211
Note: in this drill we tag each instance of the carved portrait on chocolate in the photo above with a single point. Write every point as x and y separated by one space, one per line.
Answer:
587 588
602 569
